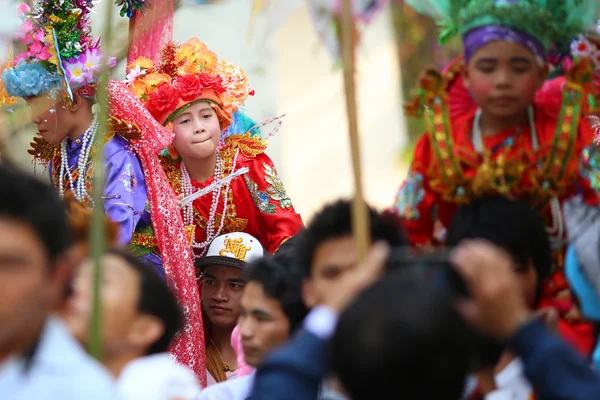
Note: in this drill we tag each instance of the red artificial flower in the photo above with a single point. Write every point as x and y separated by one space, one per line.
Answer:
165 98
582 46
189 87
213 82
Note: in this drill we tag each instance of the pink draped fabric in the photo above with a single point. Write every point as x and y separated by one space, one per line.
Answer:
173 243
151 31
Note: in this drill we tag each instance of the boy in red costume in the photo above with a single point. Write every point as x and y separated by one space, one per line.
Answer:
496 125
194 94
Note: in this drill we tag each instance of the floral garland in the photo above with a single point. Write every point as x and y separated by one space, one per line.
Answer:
588 46
186 73
59 48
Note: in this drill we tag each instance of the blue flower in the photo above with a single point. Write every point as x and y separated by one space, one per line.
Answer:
29 79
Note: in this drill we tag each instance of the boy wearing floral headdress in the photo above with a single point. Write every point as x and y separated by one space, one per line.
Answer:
195 94
57 77
496 126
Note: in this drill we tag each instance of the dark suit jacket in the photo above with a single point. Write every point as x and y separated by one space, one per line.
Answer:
555 370
294 372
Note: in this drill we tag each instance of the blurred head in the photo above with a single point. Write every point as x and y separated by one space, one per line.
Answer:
79 218
404 330
326 248
197 131
516 228
504 77
271 307
56 119
34 237
140 315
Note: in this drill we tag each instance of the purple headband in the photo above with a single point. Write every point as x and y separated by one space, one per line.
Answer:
479 37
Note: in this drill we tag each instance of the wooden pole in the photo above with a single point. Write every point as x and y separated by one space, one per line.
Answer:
97 235
360 215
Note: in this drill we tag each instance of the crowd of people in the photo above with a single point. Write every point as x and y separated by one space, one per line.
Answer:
481 281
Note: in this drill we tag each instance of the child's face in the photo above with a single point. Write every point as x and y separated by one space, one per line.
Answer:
51 116
197 131
503 78
528 278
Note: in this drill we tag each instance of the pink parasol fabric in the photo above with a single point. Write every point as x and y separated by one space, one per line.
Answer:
151 31
173 243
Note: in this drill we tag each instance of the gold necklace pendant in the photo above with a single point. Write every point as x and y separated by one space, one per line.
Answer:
224 365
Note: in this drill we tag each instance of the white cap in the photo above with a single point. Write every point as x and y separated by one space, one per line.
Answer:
235 249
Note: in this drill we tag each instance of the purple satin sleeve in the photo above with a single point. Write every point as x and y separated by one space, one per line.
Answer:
125 193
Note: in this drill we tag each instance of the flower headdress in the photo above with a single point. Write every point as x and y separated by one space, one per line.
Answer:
188 73
536 24
60 50
588 46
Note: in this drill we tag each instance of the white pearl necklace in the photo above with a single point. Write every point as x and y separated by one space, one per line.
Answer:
79 190
188 211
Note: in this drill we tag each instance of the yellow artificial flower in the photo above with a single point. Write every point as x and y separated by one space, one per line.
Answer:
153 80
49 38
195 52
139 88
188 68
143 62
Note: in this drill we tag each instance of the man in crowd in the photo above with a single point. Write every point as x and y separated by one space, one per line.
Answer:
140 317
38 357
271 309
403 337
520 231
495 306
326 254
223 281
326 248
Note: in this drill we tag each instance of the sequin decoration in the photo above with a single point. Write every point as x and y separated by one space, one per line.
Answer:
409 196
276 191
261 199
170 232
590 166
128 179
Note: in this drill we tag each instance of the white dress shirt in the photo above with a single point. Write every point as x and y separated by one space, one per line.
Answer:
58 370
231 389
157 377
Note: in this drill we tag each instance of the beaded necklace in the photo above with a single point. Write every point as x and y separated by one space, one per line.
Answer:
78 189
188 211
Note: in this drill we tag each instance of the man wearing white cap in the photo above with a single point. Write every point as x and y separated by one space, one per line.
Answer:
222 286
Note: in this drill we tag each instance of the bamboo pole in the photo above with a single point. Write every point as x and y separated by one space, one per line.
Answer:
360 215
97 235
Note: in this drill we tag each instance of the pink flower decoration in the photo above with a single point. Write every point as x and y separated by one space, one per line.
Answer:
34 49
43 55
39 35
20 58
91 60
23 10
25 29
77 73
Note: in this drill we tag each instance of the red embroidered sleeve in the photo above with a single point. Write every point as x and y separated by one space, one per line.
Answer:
415 201
279 219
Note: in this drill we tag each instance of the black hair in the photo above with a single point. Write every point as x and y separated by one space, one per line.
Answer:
281 279
26 199
335 221
155 299
405 328
513 226
509 224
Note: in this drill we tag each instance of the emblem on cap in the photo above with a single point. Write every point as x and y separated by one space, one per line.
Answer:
236 248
